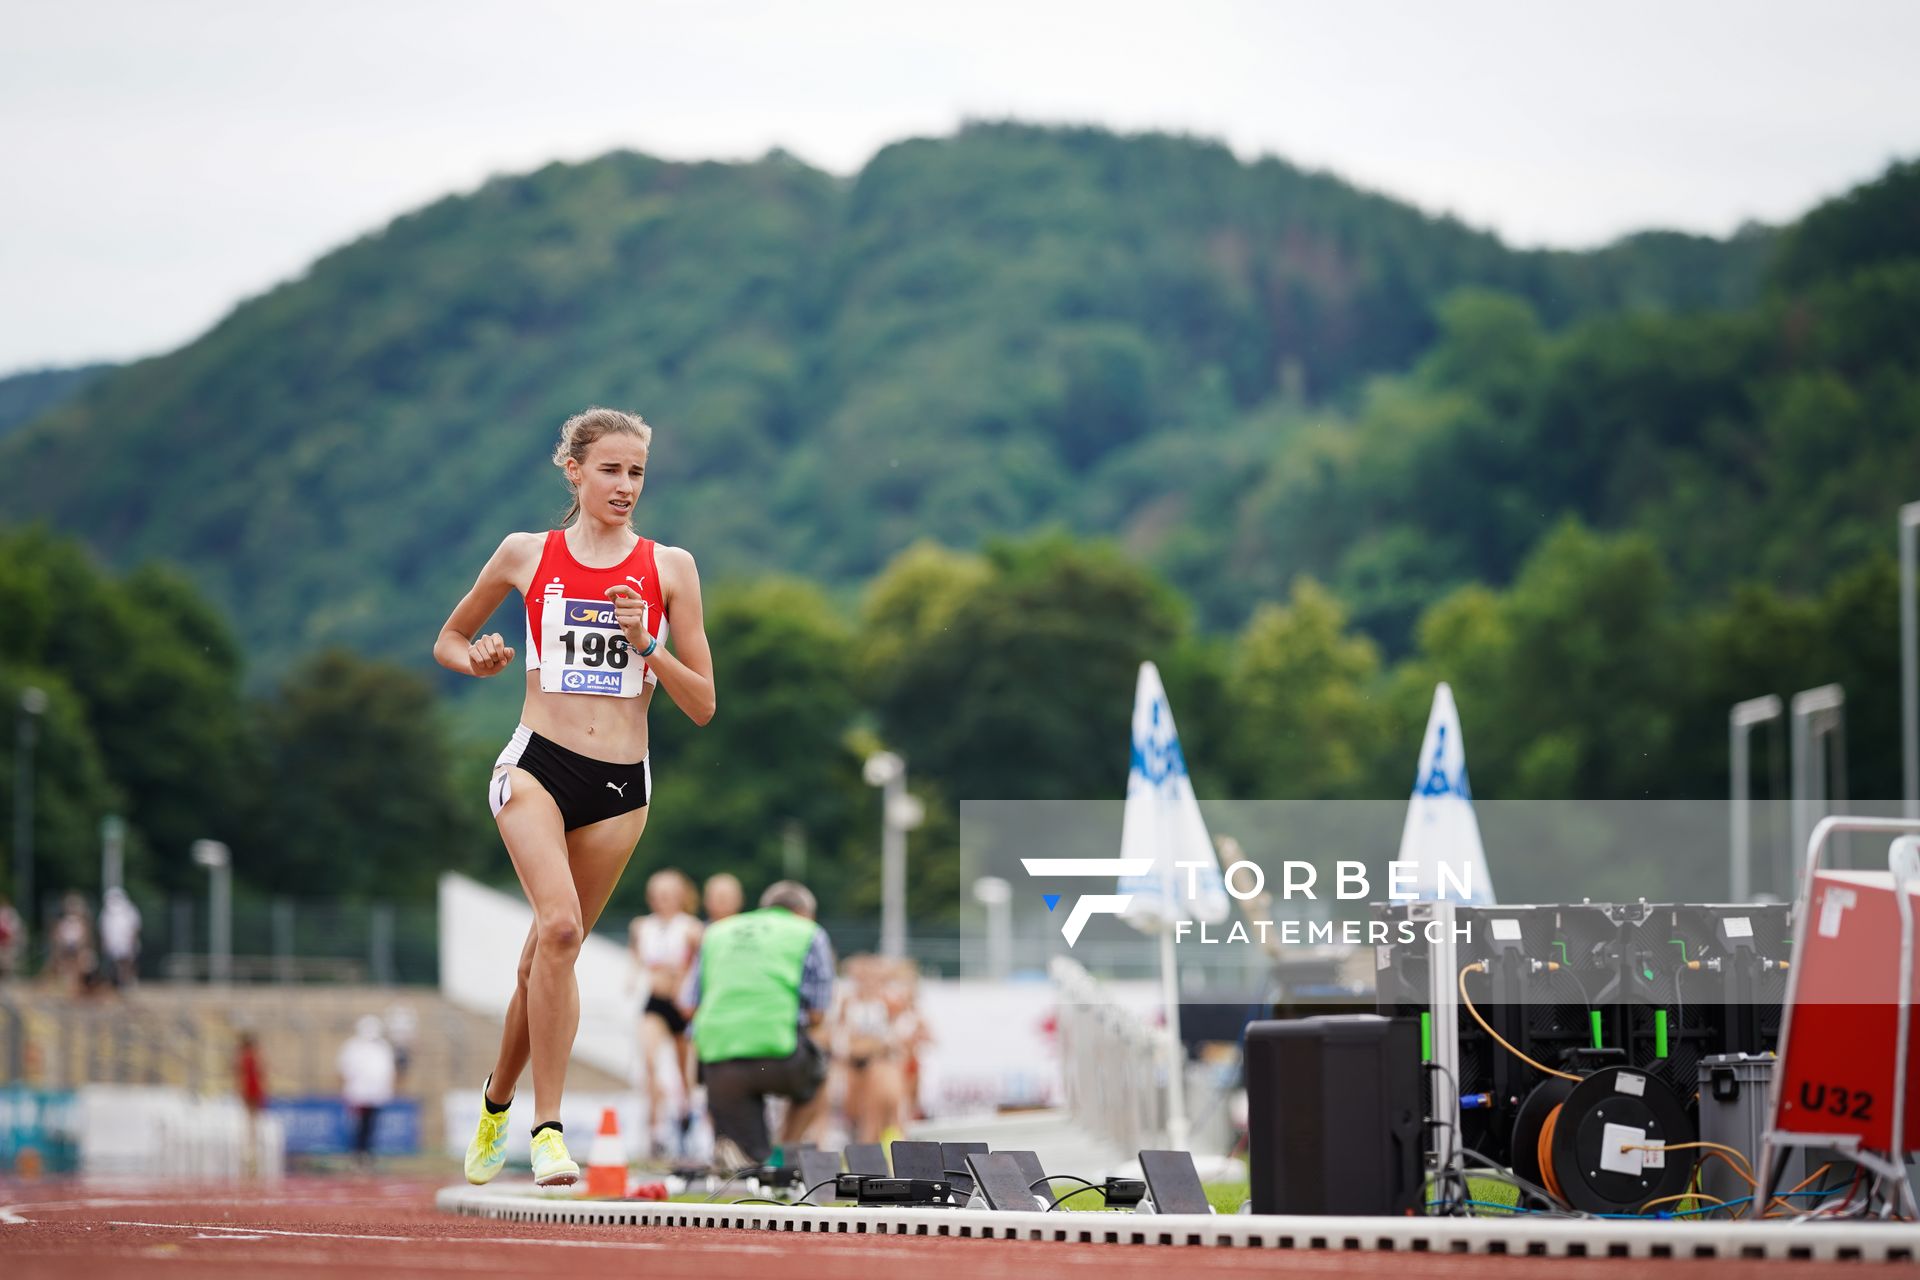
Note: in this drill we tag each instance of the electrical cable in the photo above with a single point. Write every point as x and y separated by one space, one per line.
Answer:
1566 971
1077 1191
1059 1177
1487 1204
834 1180
800 1199
1448 1160
1546 1197
1688 1213
1797 1189
1480 966
1745 1166
733 1178
1684 1195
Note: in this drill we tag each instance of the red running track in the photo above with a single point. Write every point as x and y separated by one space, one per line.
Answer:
373 1227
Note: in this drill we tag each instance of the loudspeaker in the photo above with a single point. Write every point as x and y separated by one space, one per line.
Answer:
1334 1120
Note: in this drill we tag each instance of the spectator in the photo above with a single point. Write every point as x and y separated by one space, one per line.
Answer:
366 1083
249 1075
71 959
250 1082
722 896
762 984
13 940
403 1029
120 937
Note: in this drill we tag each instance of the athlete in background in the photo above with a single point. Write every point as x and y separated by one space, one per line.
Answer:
663 944
570 791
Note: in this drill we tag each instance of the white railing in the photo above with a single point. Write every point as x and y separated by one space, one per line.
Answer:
161 1132
1114 1063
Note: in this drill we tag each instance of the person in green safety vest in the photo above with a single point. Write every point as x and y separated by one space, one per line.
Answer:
762 985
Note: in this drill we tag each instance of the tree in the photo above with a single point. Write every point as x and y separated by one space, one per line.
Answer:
154 672
1569 683
1026 690
1309 723
353 795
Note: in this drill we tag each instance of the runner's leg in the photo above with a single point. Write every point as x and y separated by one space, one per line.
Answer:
595 857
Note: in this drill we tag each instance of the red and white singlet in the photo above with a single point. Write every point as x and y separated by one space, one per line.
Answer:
572 639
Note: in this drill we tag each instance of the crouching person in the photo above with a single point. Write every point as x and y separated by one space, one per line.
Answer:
763 983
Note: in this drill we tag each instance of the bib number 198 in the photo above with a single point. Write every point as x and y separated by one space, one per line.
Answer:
594 649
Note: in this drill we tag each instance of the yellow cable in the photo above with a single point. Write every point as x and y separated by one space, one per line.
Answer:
1480 966
1684 1195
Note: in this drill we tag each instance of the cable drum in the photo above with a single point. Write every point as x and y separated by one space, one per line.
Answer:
1531 1150
1605 1143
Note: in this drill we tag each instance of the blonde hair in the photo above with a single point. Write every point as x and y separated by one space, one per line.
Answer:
675 881
578 433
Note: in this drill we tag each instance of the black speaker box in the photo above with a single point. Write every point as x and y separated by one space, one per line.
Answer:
1334 1117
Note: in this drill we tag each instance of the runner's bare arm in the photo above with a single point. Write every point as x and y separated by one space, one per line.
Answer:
686 673
457 648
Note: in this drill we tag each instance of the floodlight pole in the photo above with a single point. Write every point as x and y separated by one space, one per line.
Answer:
996 895
900 813
1817 713
1910 657
1740 723
218 861
33 705
113 844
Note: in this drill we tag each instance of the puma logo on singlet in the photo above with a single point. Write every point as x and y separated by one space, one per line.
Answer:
620 790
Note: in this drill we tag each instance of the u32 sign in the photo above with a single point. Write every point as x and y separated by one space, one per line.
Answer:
1836 1100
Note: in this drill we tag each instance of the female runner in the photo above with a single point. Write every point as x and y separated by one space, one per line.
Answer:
663 944
570 791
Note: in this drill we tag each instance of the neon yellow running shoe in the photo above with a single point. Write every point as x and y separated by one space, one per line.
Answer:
552 1166
488 1150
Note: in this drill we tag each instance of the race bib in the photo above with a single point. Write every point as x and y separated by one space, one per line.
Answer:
582 650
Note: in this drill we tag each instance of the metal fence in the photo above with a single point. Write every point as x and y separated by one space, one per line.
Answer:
271 940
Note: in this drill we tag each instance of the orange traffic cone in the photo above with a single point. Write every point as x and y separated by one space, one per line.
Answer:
607 1159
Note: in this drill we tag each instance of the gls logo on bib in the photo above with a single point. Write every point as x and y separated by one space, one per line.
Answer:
585 613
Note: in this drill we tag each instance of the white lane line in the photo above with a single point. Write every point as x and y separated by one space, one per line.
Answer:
258 1233
876 1248
9 1217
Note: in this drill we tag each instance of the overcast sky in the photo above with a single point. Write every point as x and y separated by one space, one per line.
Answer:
162 159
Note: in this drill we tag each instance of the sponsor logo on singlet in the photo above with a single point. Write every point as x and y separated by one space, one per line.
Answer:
573 680
586 613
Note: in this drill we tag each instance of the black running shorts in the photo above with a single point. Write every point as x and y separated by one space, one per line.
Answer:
667 1012
587 790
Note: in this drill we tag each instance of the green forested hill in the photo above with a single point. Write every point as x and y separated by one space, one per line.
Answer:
1333 452
25 396
1135 336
